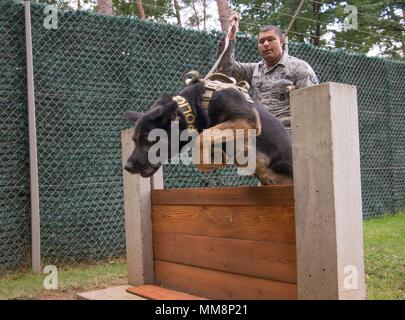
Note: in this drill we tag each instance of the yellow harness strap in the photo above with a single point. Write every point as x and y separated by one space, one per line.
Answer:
187 111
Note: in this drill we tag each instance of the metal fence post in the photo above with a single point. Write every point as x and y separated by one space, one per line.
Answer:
35 217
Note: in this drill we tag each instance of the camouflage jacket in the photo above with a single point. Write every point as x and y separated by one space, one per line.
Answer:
268 85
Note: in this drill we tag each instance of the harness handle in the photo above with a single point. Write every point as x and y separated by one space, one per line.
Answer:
219 77
215 66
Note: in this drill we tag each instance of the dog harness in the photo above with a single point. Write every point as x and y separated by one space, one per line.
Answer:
214 82
219 81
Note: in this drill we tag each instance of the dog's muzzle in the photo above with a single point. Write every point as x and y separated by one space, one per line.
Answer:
144 171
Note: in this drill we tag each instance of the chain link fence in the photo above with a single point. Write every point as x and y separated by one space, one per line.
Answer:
89 71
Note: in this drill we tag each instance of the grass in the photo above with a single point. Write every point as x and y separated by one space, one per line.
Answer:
384 246
71 280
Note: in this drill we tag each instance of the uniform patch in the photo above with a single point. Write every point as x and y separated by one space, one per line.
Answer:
314 79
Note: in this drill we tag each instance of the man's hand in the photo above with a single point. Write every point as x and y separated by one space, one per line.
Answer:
234 23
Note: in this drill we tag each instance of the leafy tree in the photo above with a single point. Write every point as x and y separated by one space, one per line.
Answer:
157 10
380 23
60 4
312 23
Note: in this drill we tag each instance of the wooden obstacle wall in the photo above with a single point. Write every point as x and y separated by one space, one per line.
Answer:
226 243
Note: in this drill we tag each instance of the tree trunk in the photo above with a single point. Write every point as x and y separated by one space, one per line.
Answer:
79 6
105 6
141 11
403 42
177 10
317 15
197 21
205 14
223 11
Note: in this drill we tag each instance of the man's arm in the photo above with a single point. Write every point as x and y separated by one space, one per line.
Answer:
228 65
306 76
232 68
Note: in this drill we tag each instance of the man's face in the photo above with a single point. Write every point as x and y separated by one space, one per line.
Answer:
270 46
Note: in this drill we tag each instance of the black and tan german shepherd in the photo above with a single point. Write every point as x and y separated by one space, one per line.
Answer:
228 109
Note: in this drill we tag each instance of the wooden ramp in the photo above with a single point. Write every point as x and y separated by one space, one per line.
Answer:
226 243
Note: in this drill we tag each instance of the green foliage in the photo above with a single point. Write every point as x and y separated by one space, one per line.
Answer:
379 22
305 29
320 22
60 4
156 10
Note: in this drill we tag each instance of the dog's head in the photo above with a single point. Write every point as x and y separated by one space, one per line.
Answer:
158 117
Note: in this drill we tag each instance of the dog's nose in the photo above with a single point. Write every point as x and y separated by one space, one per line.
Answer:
129 167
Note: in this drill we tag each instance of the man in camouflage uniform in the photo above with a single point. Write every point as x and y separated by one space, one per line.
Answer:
271 78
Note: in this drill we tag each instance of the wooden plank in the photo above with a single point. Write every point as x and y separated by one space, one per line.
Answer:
112 293
257 223
328 192
220 285
240 196
269 260
159 293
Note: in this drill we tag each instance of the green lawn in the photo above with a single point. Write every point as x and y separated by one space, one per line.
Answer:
384 241
71 280
384 246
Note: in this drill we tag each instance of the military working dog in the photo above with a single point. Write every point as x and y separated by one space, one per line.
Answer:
227 109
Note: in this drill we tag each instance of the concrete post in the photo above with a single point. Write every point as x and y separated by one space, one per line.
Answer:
138 218
327 191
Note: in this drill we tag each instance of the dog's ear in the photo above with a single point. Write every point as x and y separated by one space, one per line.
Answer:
133 116
167 112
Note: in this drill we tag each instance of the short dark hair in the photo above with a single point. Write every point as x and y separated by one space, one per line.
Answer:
276 29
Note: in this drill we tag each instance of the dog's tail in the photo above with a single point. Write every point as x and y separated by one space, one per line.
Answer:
283 167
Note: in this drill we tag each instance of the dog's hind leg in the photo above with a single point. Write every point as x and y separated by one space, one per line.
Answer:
267 175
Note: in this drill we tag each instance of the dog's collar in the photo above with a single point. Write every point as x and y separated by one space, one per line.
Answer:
187 112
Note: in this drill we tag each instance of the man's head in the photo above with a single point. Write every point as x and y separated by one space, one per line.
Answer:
270 44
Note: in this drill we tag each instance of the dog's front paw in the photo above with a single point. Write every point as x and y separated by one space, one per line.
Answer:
290 88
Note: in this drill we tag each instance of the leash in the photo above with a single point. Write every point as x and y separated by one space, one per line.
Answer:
215 66
212 82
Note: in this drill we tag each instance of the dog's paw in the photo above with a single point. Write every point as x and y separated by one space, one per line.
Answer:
290 88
